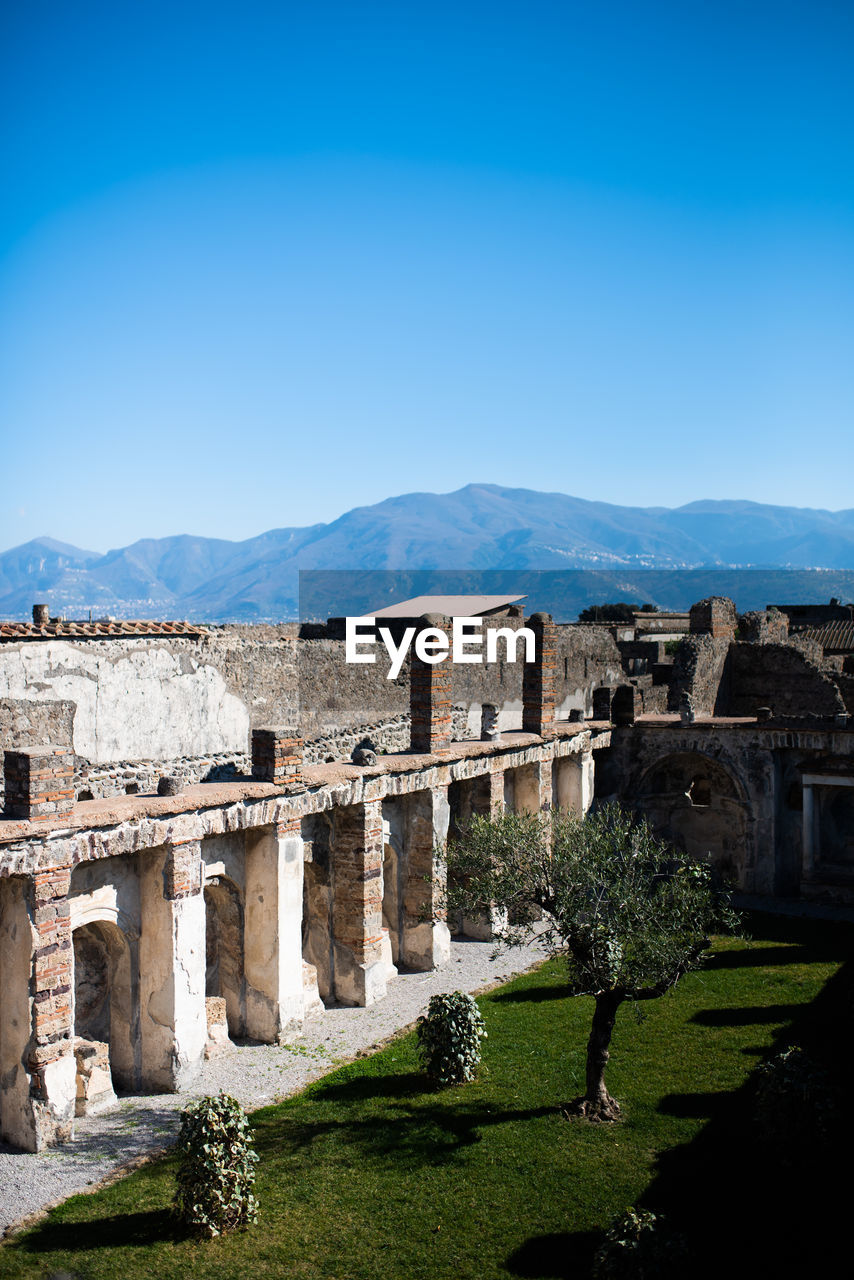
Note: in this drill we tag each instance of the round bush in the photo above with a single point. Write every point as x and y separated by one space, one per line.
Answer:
640 1246
449 1037
217 1169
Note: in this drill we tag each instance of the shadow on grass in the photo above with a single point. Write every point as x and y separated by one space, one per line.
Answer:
406 1085
533 995
430 1133
756 957
752 1209
747 1015
559 1256
123 1231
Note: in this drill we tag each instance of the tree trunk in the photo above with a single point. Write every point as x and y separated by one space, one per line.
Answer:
597 1103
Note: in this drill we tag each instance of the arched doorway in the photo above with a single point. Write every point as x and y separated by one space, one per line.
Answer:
696 804
224 949
105 1002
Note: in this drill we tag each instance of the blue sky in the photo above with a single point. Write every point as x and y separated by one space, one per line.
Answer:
262 263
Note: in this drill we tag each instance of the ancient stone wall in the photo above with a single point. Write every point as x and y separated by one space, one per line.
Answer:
132 709
700 671
780 677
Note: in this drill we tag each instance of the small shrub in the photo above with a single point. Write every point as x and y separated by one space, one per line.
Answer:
217 1170
449 1037
796 1106
640 1246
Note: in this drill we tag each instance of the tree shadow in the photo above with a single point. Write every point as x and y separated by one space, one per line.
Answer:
558 1256
432 1134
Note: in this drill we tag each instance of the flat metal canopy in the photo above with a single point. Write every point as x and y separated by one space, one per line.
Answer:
450 606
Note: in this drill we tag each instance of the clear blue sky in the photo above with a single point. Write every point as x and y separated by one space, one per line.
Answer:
260 263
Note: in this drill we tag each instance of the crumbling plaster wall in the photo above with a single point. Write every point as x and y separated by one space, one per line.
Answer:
148 698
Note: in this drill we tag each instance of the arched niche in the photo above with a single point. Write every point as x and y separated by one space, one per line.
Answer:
224 939
106 993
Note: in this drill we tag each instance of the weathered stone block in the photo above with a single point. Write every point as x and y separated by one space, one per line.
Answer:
94 1082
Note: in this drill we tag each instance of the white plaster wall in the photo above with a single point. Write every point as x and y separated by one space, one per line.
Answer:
134 701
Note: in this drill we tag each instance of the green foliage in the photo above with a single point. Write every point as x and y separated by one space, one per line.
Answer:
672 647
640 1246
632 914
796 1107
617 611
449 1037
217 1170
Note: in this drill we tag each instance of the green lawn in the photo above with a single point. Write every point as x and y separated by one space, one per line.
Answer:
369 1173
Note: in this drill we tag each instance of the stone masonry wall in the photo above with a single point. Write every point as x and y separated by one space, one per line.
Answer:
780 677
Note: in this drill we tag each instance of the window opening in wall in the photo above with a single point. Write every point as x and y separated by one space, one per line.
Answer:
700 793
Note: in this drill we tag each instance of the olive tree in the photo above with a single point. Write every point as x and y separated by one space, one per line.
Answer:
631 914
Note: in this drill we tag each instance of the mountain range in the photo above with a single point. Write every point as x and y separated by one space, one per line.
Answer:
480 527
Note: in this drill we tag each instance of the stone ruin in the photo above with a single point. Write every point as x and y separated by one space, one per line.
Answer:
149 925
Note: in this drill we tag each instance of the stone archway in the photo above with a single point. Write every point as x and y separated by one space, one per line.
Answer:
695 803
224 938
105 1014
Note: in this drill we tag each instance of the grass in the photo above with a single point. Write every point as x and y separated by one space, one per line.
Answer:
370 1173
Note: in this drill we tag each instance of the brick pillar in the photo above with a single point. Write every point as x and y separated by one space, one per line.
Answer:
426 941
277 757
37 1063
273 932
53 1070
430 697
172 961
39 783
538 678
357 909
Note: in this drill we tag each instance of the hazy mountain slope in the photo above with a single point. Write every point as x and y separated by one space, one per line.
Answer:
482 526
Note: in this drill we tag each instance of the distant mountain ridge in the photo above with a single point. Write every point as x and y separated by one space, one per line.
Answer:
481 526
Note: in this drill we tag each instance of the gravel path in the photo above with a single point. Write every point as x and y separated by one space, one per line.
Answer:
255 1074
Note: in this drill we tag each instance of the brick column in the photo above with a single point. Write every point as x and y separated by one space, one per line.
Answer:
426 940
39 783
37 1065
357 909
273 932
430 697
172 961
538 678
277 757
51 1063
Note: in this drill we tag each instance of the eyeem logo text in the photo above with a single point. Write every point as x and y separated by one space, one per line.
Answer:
432 644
